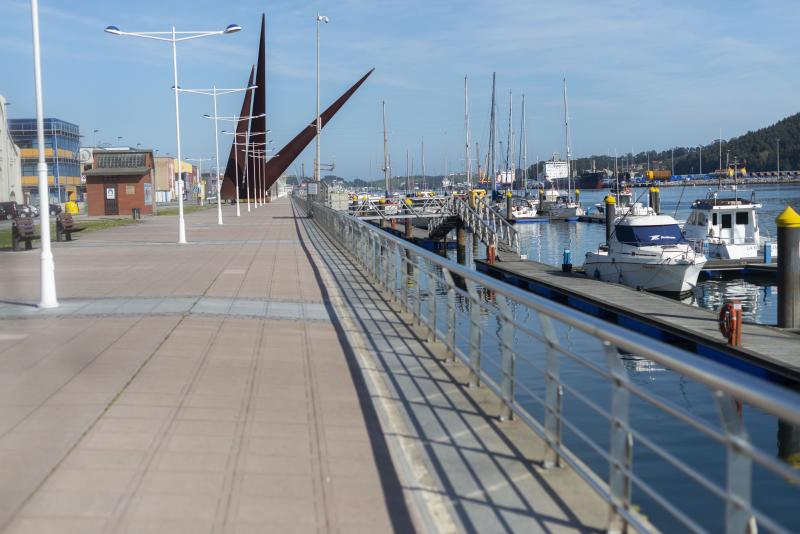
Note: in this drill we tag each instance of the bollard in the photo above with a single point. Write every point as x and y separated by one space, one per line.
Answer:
655 199
789 443
578 196
409 226
509 211
566 263
611 213
788 224
491 254
461 241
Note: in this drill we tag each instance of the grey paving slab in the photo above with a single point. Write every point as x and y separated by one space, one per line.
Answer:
183 388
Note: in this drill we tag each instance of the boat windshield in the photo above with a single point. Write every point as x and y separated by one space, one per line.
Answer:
662 234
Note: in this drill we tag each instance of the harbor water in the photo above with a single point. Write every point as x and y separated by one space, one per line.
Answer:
546 243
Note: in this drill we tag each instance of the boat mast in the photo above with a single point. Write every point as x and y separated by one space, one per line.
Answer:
387 173
566 140
523 149
492 166
478 159
408 176
512 168
424 184
466 136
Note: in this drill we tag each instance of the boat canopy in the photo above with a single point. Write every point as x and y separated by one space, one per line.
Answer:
661 234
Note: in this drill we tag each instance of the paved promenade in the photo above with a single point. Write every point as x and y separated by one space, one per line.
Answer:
250 381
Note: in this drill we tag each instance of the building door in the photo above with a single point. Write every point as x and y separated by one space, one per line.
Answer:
111 199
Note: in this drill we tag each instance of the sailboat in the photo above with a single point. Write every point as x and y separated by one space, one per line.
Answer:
553 202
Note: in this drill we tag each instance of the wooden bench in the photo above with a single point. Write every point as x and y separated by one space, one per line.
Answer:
65 227
22 229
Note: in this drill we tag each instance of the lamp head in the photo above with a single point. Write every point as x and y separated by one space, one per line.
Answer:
206 115
113 30
232 28
323 18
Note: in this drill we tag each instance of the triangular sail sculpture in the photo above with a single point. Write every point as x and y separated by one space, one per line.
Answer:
277 165
256 165
281 161
229 182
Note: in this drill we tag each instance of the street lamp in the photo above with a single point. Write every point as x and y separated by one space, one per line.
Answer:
174 37
324 19
47 281
258 157
236 119
214 92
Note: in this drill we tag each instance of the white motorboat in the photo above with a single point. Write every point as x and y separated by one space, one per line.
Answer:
525 212
726 224
647 252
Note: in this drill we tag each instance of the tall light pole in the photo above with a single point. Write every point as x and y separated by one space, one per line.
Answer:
47 280
236 135
174 37
214 92
317 167
778 147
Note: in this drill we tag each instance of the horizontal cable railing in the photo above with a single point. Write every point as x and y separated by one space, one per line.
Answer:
523 347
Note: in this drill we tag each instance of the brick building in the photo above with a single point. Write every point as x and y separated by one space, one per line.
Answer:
119 181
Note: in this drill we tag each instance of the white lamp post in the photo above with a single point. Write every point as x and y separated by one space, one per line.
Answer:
174 37
317 168
214 92
47 282
236 119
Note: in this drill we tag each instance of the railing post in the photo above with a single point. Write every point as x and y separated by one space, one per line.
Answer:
474 335
508 363
738 467
553 395
417 291
451 314
621 442
430 286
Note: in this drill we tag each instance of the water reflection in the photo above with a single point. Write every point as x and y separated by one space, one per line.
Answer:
758 297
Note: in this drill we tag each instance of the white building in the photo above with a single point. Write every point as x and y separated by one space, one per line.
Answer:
10 165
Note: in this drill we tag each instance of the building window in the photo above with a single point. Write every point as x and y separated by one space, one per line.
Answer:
130 189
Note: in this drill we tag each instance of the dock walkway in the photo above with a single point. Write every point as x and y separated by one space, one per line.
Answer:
250 381
763 347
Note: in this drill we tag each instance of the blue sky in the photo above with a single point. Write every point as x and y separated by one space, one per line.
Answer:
641 74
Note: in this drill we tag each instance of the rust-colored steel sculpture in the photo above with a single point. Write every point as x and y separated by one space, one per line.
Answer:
255 102
229 180
286 155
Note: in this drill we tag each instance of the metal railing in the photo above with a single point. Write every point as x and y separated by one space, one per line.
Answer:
486 224
477 317
367 208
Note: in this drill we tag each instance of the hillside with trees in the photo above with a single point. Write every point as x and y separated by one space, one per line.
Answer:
758 151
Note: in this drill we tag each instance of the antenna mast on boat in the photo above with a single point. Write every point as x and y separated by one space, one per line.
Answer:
466 136
492 166
566 139
387 173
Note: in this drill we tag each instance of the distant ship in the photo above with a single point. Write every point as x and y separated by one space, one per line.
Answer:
592 179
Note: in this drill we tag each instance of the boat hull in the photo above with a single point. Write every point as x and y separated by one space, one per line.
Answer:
659 277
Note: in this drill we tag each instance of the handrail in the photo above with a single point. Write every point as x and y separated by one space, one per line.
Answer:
524 323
